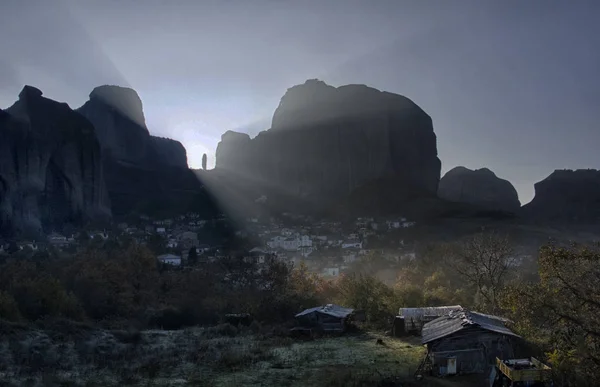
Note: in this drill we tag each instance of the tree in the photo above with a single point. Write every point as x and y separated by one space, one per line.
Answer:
369 294
204 158
484 262
561 313
193 256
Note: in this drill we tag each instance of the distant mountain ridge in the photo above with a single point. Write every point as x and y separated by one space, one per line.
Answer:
353 149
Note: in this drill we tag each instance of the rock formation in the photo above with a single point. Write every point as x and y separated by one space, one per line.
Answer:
117 114
480 187
326 142
566 195
170 152
144 173
51 169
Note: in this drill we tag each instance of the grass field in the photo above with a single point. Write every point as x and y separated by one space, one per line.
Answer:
217 356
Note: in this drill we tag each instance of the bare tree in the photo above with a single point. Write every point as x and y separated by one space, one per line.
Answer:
484 261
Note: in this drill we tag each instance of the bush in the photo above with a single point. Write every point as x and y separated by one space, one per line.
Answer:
255 327
171 319
130 336
62 328
221 330
46 296
9 310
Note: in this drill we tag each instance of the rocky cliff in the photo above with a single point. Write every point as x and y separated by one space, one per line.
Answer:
51 169
170 152
144 173
567 195
480 187
326 142
117 114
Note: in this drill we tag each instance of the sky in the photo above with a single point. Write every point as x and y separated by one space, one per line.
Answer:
511 85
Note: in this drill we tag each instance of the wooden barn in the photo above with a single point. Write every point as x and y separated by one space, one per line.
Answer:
465 342
328 318
414 318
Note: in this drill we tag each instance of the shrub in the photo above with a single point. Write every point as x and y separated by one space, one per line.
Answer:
61 328
171 319
130 336
221 330
255 327
9 310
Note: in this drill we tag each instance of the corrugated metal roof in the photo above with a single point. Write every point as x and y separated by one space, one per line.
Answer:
461 319
427 311
329 309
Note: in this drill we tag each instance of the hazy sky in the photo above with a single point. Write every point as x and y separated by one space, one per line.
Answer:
511 85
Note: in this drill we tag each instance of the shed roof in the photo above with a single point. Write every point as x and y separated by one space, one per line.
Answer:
428 311
329 309
458 320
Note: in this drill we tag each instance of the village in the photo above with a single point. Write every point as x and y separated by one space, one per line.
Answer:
452 340
328 248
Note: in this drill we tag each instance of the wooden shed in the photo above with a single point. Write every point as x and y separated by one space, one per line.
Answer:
464 342
328 318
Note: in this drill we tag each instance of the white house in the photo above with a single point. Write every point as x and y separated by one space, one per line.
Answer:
161 230
331 271
56 239
276 242
408 224
99 235
349 258
170 259
306 251
258 255
352 244
172 243
394 224
290 244
30 245
294 244
201 249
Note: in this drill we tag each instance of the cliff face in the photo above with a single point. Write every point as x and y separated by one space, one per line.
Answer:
144 173
117 114
327 142
567 195
480 187
170 152
50 166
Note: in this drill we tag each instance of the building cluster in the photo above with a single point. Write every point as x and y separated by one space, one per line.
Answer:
326 247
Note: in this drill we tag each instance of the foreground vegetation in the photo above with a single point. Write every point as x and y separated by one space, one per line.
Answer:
63 353
555 306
